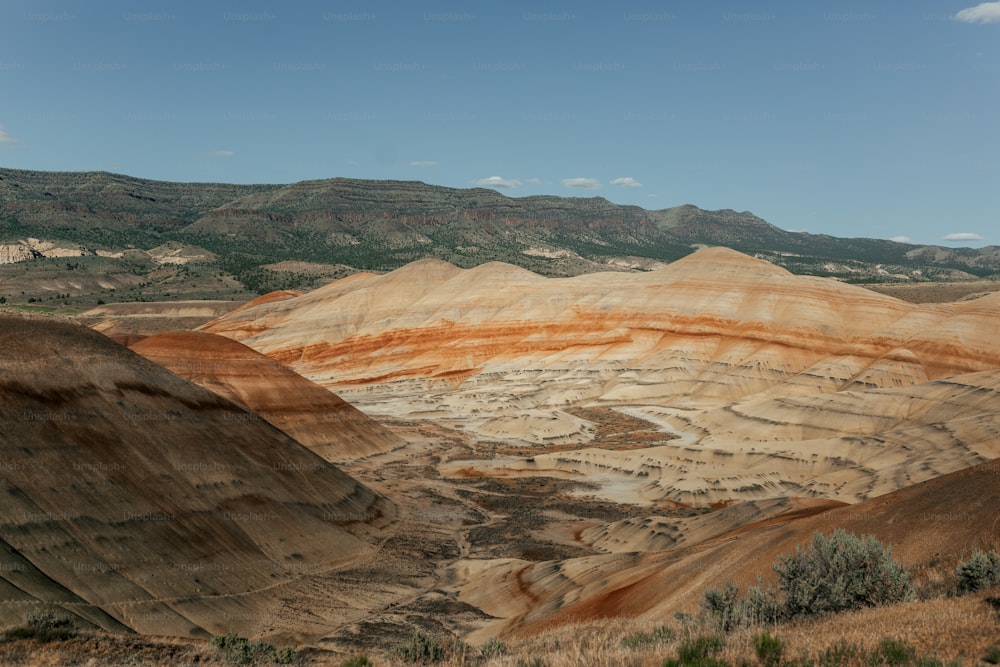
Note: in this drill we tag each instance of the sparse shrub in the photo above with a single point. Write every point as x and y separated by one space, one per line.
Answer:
981 571
493 647
241 651
358 661
661 634
896 652
768 649
760 606
729 611
992 656
721 605
420 648
698 652
840 572
45 627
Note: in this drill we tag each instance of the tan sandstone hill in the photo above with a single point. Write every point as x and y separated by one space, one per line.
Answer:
314 416
133 498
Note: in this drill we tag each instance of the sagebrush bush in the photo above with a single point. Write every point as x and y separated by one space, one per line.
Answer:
721 605
44 627
358 661
840 572
981 571
241 651
420 648
493 647
760 606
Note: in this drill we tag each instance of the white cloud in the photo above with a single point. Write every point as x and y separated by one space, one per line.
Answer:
984 12
424 163
499 182
584 183
963 236
901 239
627 182
6 138
534 181
221 153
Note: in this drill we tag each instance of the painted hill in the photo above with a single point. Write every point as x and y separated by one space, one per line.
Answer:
941 520
310 414
770 384
134 498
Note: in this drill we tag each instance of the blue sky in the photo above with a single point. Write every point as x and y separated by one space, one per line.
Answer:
877 119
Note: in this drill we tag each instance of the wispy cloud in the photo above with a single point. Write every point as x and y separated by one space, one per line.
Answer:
984 12
626 182
901 239
499 182
534 181
583 183
963 236
6 138
424 163
222 153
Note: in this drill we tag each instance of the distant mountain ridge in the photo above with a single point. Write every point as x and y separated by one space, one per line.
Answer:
382 225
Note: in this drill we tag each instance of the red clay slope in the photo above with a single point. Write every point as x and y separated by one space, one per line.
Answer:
314 416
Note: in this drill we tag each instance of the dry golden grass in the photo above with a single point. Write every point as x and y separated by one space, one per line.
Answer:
959 629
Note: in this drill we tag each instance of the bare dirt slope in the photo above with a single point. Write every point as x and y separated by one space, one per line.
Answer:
131 497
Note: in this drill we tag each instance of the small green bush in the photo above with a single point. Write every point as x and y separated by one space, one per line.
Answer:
768 649
45 627
979 572
358 661
493 647
421 649
840 572
896 652
992 656
698 652
241 651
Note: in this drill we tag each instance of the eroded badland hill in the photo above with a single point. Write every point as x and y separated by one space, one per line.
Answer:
486 452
